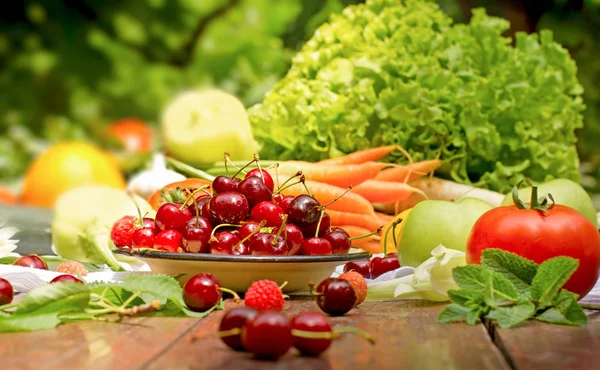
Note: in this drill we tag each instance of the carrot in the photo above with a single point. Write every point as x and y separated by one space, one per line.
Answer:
325 193
338 175
383 218
408 172
373 246
397 207
384 191
346 218
368 155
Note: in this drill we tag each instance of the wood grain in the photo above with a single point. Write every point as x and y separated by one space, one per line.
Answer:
537 345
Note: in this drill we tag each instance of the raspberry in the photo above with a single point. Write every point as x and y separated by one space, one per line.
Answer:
264 295
358 283
72 268
122 231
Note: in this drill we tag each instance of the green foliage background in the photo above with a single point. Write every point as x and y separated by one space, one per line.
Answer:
69 67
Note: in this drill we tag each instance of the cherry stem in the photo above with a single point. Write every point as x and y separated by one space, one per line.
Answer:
283 186
212 234
220 334
254 232
283 224
319 223
356 331
276 165
303 181
262 175
332 334
225 158
311 289
236 297
283 285
367 235
540 204
338 198
139 211
385 238
187 199
241 170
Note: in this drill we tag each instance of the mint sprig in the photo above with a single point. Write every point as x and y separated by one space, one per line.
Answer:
510 289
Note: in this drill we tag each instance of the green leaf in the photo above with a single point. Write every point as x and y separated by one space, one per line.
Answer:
117 295
470 277
495 287
453 312
500 289
55 298
518 270
160 287
30 322
508 317
472 316
551 276
466 298
175 308
566 311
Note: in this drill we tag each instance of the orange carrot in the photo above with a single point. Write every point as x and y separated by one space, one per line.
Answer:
373 246
368 155
346 218
408 172
338 175
383 218
325 193
384 191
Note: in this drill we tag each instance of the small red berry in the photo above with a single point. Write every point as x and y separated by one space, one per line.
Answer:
122 231
264 295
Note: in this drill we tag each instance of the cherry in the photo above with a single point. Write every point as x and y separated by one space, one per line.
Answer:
7 292
255 190
311 229
168 240
264 244
339 240
316 246
149 223
203 291
171 216
303 210
230 207
196 208
209 214
236 318
363 267
335 296
31 260
277 198
285 202
381 265
65 279
222 184
248 228
264 176
336 228
293 239
270 212
268 335
143 238
313 322
196 236
223 242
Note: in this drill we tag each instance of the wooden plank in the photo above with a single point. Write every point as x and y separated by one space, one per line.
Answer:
407 333
536 345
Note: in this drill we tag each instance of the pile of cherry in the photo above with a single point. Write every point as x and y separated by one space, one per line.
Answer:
240 217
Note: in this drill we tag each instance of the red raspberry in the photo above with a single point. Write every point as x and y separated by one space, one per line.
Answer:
122 231
358 283
264 295
72 268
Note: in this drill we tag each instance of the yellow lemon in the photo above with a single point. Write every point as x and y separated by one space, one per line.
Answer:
65 166
388 237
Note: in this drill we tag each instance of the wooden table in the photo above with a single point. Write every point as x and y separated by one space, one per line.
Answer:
407 334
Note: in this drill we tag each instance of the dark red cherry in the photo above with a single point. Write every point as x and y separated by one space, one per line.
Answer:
196 236
335 296
200 202
303 210
311 322
267 211
223 242
222 184
293 238
311 229
31 260
381 265
201 292
268 244
267 179
236 318
7 292
254 190
315 246
339 240
247 228
230 207
65 279
363 267
268 335
285 202
208 214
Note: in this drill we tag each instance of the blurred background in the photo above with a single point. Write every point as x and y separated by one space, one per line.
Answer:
102 70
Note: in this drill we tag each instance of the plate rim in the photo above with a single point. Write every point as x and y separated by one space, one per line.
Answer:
207 257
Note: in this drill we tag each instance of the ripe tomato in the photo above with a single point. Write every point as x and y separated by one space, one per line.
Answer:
538 236
176 190
135 135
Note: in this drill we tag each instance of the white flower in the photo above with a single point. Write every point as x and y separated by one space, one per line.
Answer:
7 245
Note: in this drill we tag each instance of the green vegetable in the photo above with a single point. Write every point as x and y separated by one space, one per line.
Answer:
565 192
83 218
511 289
391 72
50 305
434 222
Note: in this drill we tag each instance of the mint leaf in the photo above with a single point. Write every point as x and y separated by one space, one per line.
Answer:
472 316
495 287
453 312
54 298
500 289
30 322
518 270
470 277
566 311
160 287
550 277
466 298
508 317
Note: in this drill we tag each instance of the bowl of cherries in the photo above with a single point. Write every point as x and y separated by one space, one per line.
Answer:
241 230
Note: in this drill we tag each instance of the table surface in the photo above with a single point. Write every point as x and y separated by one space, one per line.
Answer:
407 334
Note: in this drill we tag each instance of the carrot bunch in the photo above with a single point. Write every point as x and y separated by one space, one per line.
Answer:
370 182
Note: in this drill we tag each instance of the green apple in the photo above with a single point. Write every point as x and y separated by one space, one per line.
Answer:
199 126
435 222
565 192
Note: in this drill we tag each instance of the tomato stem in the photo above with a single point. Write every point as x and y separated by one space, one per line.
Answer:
538 204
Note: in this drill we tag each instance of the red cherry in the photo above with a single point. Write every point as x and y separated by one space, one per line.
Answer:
266 244
293 238
196 236
209 214
31 260
381 265
171 217
363 267
222 184
311 229
267 179
236 318
303 210
230 207
312 322
268 335
223 242
201 292
316 246
339 240
7 292
65 278
149 223
254 190
277 198
168 240
196 208
267 211
285 202
247 229
143 238
336 296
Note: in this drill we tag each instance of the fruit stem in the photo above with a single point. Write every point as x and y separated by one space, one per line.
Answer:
191 195
303 181
364 334
262 175
225 158
311 289
313 334
254 232
236 297
319 223
139 211
189 170
281 228
393 228
283 285
538 204
212 234
367 235
283 186
220 334
241 170
338 198
276 165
